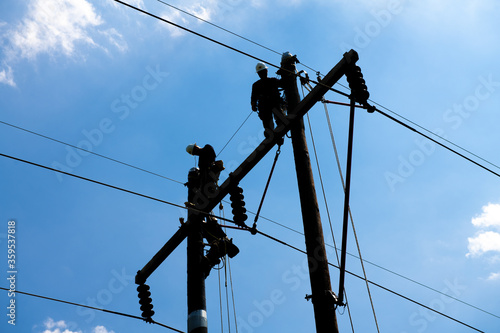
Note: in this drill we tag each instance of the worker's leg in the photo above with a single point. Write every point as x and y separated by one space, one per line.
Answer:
267 120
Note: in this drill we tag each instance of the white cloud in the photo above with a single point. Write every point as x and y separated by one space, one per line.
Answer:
116 39
207 10
494 276
490 217
53 26
203 10
7 76
60 326
136 3
175 17
50 323
484 242
101 329
52 326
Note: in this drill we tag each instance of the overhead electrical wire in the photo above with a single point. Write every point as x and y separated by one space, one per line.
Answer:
439 143
221 218
315 82
231 138
93 308
179 206
229 31
220 43
262 217
247 54
244 53
112 186
349 211
375 284
331 225
319 73
438 136
88 151
217 26
328 212
249 211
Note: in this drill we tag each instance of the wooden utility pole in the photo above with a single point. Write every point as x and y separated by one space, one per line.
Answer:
204 198
196 299
322 296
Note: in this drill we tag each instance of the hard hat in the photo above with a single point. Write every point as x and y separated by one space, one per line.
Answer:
191 148
193 173
260 66
285 56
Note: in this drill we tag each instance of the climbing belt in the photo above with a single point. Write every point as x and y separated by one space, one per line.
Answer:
254 227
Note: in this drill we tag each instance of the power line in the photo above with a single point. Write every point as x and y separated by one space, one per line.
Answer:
375 284
111 186
231 138
349 211
262 217
437 142
87 151
195 33
179 206
231 32
221 44
440 137
271 64
218 27
386 269
93 308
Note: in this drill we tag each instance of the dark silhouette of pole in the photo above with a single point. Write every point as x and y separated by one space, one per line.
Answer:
322 296
203 199
346 200
196 298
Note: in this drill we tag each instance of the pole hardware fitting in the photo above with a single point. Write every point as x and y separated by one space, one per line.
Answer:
139 279
303 79
253 229
329 295
145 302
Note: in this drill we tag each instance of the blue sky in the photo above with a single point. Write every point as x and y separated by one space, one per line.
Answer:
106 78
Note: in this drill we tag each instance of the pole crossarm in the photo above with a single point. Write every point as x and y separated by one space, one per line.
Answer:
164 252
203 198
294 116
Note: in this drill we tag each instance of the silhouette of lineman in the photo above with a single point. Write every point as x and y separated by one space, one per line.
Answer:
266 100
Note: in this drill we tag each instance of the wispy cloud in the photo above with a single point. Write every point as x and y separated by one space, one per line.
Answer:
494 276
60 326
136 3
52 326
205 10
490 217
7 76
486 241
53 28
101 329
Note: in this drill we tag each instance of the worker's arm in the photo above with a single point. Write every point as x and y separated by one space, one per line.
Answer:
253 98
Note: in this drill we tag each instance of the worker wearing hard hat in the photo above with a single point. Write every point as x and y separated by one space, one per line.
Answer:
266 98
